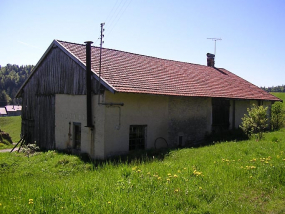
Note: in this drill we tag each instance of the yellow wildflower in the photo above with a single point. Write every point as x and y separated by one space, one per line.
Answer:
179 171
159 178
168 179
184 168
169 174
175 176
148 173
109 202
200 188
176 190
134 168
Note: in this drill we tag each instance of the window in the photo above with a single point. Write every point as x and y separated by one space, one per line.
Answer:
220 113
137 137
77 136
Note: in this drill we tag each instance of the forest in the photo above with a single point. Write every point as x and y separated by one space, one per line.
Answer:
274 88
11 79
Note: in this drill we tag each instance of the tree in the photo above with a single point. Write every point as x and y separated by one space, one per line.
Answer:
255 122
277 116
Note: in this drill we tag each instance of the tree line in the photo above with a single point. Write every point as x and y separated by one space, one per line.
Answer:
274 88
11 79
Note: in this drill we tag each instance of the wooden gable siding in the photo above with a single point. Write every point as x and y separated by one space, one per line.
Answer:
57 74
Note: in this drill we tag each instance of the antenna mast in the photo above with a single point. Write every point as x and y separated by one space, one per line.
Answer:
100 58
215 39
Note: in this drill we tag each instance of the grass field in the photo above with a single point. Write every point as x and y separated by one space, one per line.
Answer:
11 125
230 177
280 95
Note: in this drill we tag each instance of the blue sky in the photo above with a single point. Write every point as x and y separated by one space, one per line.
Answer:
252 31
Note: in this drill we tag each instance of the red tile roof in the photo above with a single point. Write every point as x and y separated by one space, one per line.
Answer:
128 72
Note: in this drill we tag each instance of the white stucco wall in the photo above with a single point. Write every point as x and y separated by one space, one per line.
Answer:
170 117
138 109
70 109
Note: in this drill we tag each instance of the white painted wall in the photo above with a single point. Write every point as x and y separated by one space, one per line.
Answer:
138 109
165 116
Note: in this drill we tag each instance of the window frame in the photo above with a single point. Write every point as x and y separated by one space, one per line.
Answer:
137 137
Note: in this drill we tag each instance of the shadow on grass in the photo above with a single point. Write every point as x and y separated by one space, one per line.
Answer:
142 156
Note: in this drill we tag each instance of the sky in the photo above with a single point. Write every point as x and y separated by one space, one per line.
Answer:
252 32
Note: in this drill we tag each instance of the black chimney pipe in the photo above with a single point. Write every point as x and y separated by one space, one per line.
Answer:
88 85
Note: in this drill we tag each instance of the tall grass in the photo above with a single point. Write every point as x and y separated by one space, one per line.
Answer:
229 177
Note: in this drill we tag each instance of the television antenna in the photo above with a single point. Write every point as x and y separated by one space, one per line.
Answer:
215 39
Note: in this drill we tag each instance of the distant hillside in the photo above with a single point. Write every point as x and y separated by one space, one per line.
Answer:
11 79
274 88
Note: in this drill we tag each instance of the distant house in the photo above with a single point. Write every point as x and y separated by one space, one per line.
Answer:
133 103
3 112
13 110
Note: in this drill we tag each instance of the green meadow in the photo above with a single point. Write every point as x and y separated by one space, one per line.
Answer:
229 177
11 125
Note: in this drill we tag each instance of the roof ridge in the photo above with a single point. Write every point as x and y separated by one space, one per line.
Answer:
112 49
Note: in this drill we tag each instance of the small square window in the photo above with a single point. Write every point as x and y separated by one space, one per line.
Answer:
137 137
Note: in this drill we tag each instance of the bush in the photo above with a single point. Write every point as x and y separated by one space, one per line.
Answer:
277 116
255 122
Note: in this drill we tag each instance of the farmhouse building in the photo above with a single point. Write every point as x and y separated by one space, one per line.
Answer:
13 110
128 101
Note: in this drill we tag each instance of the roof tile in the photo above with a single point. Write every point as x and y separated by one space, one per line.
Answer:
134 73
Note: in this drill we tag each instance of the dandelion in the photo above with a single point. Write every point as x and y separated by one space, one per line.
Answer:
148 173
176 190
134 168
109 202
159 178
184 168
197 173
278 156
169 174
250 176
31 201
0 204
175 176
168 180
179 171
139 170
200 188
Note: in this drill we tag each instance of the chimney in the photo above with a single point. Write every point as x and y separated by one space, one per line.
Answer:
88 84
210 60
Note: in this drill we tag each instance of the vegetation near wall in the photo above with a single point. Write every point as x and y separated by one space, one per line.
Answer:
11 79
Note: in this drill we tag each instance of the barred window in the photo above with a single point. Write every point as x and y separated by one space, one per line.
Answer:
137 137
